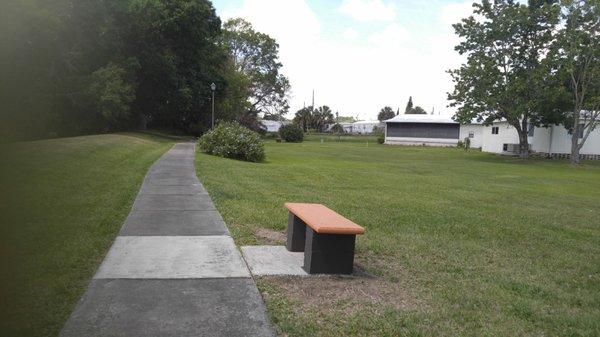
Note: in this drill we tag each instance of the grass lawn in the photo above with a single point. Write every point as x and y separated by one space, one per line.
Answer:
63 202
342 138
457 243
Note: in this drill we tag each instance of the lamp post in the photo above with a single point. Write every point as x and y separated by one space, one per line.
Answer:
213 87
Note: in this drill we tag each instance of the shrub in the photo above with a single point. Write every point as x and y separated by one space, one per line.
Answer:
337 128
232 140
380 134
464 144
291 133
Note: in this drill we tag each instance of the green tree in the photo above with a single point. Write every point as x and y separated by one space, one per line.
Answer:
409 105
337 128
575 55
256 56
503 75
176 43
67 65
345 119
416 111
321 117
113 90
385 113
304 118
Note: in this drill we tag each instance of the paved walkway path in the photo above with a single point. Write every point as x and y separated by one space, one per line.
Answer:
174 270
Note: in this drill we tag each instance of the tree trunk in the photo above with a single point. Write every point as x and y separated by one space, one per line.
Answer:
575 145
522 131
523 145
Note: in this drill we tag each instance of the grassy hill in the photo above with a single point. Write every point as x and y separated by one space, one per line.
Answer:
63 202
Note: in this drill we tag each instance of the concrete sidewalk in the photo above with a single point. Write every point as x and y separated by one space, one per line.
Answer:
174 270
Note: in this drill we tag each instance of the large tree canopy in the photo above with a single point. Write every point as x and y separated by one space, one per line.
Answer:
504 77
575 60
385 113
256 56
315 119
73 67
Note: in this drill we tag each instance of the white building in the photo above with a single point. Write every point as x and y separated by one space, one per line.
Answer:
365 126
271 126
358 127
554 140
499 137
432 130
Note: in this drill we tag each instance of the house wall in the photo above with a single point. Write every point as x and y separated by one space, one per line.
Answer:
540 142
364 127
477 130
561 141
554 140
494 143
271 126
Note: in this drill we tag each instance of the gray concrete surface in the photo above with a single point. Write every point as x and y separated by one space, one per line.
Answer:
154 223
170 202
170 189
162 308
172 257
173 270
273 260
174 181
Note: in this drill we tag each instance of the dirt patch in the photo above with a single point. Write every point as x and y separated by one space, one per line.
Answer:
323 295
269 236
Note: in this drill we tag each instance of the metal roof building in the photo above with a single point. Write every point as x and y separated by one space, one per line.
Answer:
433 130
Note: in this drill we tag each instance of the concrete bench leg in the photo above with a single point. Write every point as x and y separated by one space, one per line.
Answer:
328 253
296 234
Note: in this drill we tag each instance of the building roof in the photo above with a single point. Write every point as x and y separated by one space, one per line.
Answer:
421 119
366 122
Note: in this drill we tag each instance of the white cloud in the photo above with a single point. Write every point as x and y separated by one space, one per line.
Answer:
454 12
393 34
368 10
350 34
352 75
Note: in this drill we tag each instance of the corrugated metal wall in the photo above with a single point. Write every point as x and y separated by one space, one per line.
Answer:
423 130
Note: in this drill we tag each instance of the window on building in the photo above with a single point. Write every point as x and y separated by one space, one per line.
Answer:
495 130
471 134
530 130
505 147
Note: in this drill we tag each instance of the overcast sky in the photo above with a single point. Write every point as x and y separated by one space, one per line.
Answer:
360 55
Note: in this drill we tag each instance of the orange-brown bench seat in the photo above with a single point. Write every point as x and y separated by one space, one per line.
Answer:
326 238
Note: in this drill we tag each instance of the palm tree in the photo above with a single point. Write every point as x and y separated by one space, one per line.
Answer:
304 118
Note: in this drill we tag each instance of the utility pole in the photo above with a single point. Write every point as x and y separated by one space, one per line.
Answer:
313 99
213 87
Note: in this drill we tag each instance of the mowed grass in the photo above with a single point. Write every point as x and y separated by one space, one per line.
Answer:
475 244
63 202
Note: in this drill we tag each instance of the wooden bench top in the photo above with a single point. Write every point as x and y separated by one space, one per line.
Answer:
323 220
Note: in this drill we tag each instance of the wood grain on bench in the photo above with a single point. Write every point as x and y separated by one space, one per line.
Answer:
323 220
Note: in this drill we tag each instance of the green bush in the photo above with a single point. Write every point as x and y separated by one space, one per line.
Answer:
337 128
467 143
380 134
291 133
464 144
232 140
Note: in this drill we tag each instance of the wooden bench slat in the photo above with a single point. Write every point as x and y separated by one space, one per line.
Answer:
323 220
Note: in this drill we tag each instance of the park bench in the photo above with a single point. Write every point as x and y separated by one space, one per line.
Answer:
326 238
